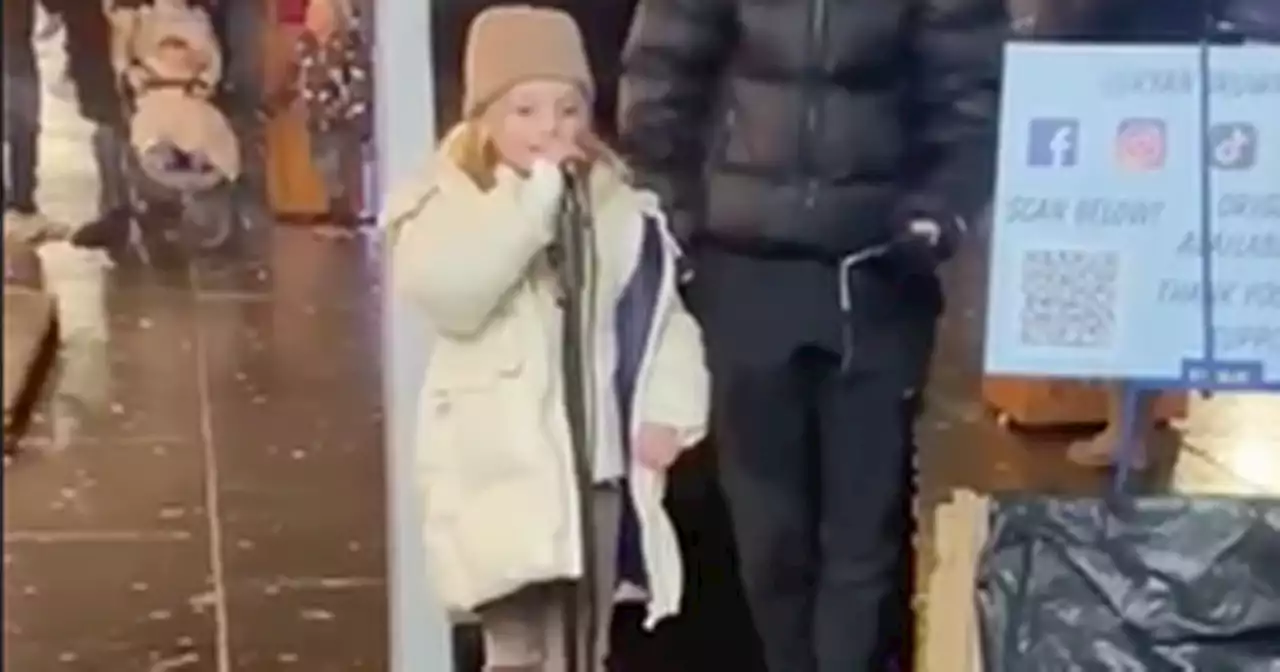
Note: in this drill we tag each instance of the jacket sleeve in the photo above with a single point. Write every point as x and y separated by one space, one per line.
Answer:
679 385
958 46
672 57
459 269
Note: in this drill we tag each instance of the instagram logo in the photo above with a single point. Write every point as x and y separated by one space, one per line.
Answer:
1141 145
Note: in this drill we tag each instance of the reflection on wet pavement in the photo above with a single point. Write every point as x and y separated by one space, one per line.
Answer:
201 487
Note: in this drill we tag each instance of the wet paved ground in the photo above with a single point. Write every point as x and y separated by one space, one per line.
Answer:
204 491
209 480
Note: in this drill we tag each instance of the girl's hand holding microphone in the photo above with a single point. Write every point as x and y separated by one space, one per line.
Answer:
541 192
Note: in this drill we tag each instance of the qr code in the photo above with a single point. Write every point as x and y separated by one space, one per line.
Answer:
1069 298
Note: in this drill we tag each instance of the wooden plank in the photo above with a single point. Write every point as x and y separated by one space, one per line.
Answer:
1053 403
29 318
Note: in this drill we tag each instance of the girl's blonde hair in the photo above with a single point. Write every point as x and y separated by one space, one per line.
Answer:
470 148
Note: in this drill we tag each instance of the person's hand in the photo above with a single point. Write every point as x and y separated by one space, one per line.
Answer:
539 195
657 446
542 191
927 231
925 242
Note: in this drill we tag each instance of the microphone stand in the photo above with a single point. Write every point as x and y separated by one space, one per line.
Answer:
573 257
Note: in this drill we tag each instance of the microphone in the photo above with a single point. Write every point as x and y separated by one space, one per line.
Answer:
572 220
574 172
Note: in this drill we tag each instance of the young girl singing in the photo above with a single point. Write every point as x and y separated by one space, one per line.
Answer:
470 245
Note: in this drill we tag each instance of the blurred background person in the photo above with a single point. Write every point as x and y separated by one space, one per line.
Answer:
21 108
241 30
93 83
76 96
330 78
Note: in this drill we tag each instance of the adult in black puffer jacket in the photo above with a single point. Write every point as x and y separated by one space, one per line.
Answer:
785 135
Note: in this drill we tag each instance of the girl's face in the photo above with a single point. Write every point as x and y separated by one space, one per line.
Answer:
544 118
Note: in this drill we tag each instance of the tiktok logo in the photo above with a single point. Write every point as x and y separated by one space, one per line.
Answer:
1233 146
1053 143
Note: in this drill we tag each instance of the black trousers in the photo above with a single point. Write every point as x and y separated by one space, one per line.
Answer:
816 463
21 133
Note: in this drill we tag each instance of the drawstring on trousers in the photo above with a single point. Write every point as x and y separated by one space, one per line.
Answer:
848 264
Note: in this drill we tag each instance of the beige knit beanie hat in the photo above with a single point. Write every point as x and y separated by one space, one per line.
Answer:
509 44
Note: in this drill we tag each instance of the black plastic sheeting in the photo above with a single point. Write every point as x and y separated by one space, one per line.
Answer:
1142 585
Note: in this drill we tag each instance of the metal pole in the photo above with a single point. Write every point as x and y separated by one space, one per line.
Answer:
574 257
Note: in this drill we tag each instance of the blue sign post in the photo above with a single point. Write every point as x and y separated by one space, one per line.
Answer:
1137 221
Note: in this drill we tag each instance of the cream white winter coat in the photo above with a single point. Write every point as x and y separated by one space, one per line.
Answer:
494 456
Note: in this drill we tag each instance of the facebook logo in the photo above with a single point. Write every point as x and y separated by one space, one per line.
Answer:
1054 143
1233 146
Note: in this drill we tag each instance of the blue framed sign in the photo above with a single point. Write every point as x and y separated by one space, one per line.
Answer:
1117 176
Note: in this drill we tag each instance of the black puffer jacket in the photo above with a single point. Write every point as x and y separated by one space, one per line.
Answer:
811 126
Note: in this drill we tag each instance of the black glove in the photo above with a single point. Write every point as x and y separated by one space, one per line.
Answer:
922 241
682 225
